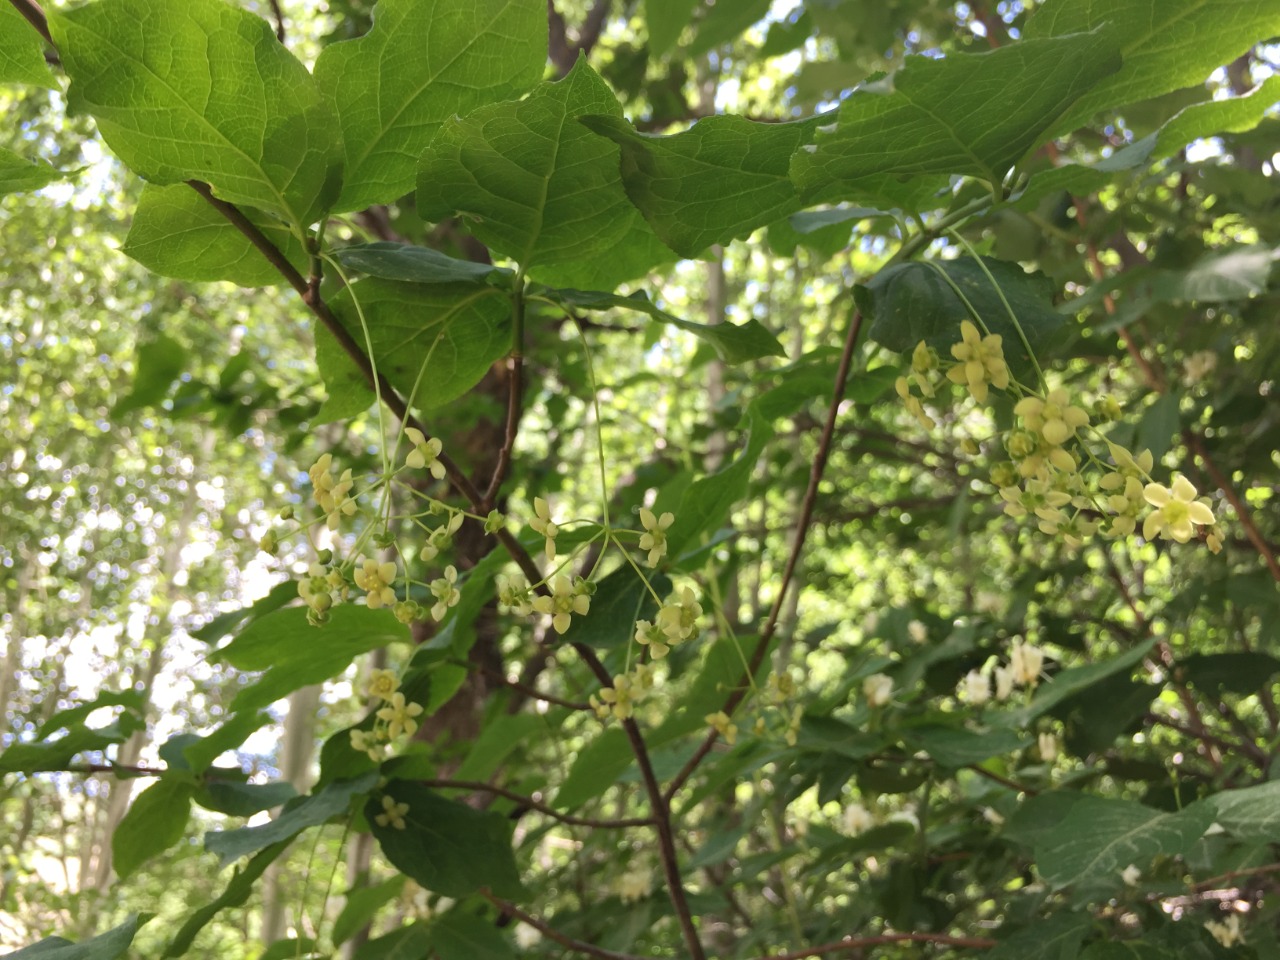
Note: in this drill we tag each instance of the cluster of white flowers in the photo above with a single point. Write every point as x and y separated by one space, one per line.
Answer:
1026 663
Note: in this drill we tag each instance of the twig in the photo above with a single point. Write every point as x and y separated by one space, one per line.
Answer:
279 15
34 15
1003 781
1196 444
740 689
479 786
861 943
531 692
553 934
1213 882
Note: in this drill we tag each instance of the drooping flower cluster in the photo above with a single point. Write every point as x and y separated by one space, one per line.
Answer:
1043 478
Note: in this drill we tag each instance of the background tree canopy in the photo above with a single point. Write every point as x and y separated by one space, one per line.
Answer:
649 478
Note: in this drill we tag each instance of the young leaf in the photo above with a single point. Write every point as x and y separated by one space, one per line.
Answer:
155 821
447 847
243 799
975 114
20 175
539 187
423 62
910 302
176 233
1164 47
439 339
715 182
202 89
330 801
362 904
296 654
734 342
22 51
595 769
106 946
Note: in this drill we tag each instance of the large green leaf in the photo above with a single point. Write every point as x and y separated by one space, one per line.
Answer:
734 342
539 187
1249 814
236 893
1165 44
423 62
433 342
1099 837
362 904
596 767
177 233
975 114
715 182
465 936
330 801
20 175
202 89
957 746
1056 938
1220 276
402 261
910 302
155 821
22 51
106 946
665 20
56 754
1072 681
296 654
447 847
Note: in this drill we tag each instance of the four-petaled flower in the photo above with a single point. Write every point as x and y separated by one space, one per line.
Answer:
392 813
399 716
425 453
382 684
1177 511
654 538
445 592
543 524
981 362
678 619
723 725
566 599
1054 417
375 579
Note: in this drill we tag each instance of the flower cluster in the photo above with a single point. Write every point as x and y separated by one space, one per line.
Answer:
675 622
396 718
1048 445
628 689
1026 663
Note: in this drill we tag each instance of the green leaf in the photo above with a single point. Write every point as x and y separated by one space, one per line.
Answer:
160 362
132 701
725 22
235 730
1232 115
1126 950
1165 46
596 767
411 942
1057 937
423 62
721 670
236 893
291 948
1159 423
954 747
447 847
330 801
1099 837
1040 815
440 339
1075 679
362 904
155 821
538 187
665 20
106 946
226 623
496 741
465 936
708 500
734 342
202 89
20 175
1220 276
1240 673
177 233
715 182
975 114
910 302
1249 814
22 53
243 799
620 600
401 261
57 754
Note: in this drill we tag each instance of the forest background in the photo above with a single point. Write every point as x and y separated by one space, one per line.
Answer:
811 479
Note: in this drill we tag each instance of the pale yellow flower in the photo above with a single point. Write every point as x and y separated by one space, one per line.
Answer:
565 600
654 538
425 453
1177 511
445 592
399 716
1054 417
375 578
981 362
382 684
877 688
543 524
723 725
392 813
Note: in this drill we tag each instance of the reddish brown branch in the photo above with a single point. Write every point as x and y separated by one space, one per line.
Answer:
551 933
743 685
480 786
